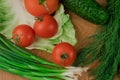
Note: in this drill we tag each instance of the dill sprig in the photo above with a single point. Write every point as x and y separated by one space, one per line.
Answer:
106 47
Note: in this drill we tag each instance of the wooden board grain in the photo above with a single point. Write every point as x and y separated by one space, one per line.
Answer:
83 28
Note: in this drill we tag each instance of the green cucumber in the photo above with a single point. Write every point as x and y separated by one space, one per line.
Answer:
87 9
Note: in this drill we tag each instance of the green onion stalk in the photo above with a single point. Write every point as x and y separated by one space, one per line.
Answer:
19 61
106 47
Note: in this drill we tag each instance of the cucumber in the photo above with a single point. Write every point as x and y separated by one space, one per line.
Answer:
87 9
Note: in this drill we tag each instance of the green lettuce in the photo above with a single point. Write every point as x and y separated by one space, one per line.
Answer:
13 13
66 33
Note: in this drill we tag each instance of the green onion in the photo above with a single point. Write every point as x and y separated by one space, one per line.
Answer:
19 61
20 51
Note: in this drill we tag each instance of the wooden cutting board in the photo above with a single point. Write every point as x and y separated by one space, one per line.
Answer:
83 28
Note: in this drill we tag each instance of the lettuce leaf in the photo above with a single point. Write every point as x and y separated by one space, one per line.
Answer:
66 33
13 13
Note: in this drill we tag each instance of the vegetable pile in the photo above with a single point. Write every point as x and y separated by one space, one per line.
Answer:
14 13
106 47
43 24
52 30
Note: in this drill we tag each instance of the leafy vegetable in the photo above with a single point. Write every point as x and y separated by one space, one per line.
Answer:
13 13
106 47
66 33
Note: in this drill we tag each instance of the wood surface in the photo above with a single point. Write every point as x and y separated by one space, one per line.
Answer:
83 28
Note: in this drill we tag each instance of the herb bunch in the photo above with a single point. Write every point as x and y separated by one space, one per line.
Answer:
106 47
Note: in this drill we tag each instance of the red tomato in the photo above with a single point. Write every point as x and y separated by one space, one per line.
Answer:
47 27
64 54
35 8
23 35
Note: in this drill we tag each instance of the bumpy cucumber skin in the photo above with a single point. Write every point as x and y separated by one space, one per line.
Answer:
87 9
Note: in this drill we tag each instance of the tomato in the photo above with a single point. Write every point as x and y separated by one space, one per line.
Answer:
23 35
46 27
41 7
64 54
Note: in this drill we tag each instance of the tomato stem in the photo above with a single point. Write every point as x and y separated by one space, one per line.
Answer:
64 56
41 1
39 19
17 39
44 3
